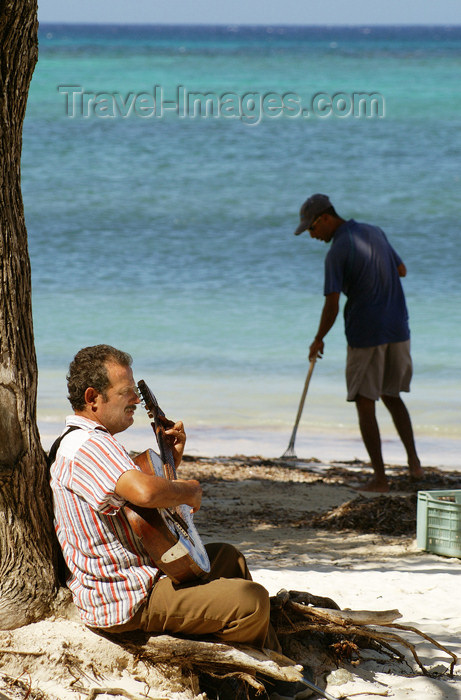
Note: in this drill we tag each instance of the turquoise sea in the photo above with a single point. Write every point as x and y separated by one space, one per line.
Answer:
170 235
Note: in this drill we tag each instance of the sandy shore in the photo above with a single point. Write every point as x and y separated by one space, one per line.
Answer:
271 441
269 510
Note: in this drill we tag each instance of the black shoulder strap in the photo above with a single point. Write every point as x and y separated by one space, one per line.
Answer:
61 566
55 446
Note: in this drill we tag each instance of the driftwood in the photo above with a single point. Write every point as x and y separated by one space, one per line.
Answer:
323 636
253 668
294 612
22 652
17 688
215 659
118 692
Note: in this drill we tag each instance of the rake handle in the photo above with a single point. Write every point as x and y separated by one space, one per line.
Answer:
301 403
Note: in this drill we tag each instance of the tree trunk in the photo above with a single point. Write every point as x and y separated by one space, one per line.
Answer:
27 575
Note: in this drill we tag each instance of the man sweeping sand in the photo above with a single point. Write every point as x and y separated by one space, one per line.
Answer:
363 265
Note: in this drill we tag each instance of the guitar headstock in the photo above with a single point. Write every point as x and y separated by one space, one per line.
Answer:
158 422
149 400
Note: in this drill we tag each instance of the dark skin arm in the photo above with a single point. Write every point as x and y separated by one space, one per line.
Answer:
327 319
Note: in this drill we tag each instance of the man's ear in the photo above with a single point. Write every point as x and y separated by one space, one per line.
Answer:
91 396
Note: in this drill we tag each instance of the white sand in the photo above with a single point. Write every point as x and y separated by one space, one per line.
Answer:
425 589
359 571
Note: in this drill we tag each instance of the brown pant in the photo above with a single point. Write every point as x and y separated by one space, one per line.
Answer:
227 604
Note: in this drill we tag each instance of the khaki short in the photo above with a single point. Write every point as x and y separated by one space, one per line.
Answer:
382 369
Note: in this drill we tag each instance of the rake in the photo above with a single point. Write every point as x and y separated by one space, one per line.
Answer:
290 451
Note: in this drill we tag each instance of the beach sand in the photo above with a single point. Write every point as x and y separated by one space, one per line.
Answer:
268 509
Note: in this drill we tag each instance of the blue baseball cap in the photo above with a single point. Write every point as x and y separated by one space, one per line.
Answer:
312 208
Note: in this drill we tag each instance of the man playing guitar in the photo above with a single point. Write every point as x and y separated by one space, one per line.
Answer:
114 581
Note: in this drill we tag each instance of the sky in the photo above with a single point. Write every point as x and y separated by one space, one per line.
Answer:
305 12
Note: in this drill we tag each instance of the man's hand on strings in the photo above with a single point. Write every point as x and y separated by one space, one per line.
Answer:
176 436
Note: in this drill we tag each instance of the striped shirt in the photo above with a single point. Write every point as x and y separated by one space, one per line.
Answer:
111 574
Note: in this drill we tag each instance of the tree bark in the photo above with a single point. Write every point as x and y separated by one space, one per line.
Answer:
27 543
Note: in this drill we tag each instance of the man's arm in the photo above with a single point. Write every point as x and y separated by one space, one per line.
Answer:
150 491
327 319
402 270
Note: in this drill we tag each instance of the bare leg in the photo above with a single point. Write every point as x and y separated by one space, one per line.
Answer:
402 422
372 441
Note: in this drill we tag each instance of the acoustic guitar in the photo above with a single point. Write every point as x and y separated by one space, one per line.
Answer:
167 534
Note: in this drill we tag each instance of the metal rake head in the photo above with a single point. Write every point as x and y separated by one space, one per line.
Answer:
290 452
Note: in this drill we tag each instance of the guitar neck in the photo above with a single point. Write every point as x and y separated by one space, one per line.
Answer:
165 450
158 423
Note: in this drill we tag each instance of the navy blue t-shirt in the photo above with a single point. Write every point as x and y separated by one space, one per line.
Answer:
362 264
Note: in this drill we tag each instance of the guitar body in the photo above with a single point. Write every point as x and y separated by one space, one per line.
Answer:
168 535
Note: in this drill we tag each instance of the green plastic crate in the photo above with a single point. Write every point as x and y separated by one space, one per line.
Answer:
438 524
